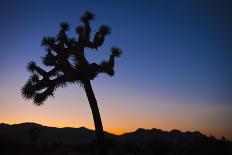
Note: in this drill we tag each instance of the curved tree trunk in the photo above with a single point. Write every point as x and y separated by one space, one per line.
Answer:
101 150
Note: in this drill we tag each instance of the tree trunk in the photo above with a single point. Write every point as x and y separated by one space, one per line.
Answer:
101 149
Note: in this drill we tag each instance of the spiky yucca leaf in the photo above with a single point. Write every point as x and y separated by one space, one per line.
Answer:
49 59
87 16
28 91
39 98
48 41
64 26
34 78
60 82
80 83
116 51
104 30
31 66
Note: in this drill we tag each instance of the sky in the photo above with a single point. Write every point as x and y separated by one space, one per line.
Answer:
174 73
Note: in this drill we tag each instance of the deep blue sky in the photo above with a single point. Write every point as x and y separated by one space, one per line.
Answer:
178 52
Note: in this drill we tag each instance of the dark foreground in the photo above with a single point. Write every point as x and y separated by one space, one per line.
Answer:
34 139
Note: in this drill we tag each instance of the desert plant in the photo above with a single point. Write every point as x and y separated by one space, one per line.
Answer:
67 58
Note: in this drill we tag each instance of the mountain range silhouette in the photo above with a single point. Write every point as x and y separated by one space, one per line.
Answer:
141 141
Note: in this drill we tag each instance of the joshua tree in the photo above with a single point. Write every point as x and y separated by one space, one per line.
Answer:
69 65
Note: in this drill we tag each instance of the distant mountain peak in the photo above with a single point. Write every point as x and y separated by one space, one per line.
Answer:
30 123
4 124
141 130
175 131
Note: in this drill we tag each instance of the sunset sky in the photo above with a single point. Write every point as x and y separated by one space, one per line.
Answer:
175 71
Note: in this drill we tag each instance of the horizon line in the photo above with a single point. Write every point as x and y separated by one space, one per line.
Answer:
104 130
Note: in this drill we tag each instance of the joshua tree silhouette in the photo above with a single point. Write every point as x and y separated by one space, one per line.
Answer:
66 56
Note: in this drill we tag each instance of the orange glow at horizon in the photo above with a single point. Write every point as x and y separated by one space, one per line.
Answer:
116 126
121 116
120 131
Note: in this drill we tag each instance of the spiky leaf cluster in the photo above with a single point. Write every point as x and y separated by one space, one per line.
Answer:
116 51
60 51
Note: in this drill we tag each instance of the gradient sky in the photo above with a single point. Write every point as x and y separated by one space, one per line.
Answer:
175 72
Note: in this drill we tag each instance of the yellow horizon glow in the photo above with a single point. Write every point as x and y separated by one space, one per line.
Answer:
119 131
123 114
